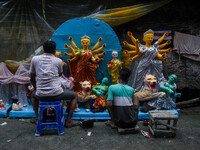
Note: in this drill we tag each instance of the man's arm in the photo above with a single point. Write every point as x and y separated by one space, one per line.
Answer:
33 80
109 97
109 103
136 104
136 101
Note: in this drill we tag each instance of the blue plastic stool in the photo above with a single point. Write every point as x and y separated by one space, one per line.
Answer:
59 118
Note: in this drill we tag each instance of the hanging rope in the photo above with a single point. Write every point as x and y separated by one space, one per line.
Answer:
43 9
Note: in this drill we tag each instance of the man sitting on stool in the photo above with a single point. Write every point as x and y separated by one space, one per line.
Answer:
121 103
46 70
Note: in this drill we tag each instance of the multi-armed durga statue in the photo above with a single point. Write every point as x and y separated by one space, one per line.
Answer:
148 39
84 62
149 54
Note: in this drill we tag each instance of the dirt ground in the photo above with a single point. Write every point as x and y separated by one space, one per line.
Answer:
19 134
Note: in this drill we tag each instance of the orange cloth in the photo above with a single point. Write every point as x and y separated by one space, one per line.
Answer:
83 69
100 102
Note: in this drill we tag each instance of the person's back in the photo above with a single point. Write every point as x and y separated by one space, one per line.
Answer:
47 69
123 110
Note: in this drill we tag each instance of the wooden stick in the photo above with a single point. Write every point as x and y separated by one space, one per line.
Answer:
188 102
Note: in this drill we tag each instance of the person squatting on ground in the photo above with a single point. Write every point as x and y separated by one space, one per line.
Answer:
45 71
121 103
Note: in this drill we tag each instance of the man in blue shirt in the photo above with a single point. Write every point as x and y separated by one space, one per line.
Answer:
121 103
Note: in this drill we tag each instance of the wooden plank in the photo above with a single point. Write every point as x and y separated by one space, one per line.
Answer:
166 117
167 125
151 130
164 131
162 111
163 115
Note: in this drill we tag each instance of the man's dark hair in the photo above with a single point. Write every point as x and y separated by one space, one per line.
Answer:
49 47
124 74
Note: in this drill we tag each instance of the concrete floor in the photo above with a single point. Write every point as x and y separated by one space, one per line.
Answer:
19 134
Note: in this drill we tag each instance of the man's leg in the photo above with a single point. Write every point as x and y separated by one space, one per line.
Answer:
111 122
136 104
69 122
35 103
69 95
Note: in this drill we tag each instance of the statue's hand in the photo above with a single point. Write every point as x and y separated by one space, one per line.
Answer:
66 46
130 59
165 59
93 96
169 49
129 33
170 92
99 93
100 39
70 38
104 53
66 54
164 55
109 65
168 42
156 94
125 43
166 34
126 52
137 41
162 94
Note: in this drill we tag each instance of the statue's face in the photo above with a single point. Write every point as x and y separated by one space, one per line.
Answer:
115 54
148 37
85 42
173 78
105 80
86 86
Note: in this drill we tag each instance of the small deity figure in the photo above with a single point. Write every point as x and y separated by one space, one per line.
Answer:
149 93
83 62
2 107
16 106
169 88
59 55
85 94
100 90
114 66
148 53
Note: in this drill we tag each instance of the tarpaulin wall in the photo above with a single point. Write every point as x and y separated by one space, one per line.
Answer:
26 24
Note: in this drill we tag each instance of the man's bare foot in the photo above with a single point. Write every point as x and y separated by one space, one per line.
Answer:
111 124
33 120
72 123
